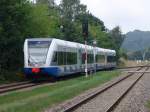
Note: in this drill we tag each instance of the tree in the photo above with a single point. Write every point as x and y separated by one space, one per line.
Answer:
69 10
117 37
13 21
43 24
96 22
20 19
123 54
49 2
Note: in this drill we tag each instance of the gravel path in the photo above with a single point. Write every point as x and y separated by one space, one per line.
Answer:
136 99
104 100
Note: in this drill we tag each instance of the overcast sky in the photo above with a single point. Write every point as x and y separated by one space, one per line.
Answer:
128 14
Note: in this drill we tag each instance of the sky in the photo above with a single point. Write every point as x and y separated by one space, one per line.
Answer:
128 14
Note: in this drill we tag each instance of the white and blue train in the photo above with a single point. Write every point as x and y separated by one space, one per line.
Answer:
55 57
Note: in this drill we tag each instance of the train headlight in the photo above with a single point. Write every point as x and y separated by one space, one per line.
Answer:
35 70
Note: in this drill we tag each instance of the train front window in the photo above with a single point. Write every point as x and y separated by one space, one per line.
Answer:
38 52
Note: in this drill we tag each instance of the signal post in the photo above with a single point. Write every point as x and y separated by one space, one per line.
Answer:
85 35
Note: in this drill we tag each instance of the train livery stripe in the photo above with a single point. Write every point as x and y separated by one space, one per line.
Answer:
53 71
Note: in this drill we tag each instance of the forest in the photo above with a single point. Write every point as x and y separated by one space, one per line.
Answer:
21 19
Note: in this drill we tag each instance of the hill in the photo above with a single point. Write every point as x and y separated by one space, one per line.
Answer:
136 41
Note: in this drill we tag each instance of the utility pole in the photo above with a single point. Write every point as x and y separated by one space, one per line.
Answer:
86 68
85 35
94 45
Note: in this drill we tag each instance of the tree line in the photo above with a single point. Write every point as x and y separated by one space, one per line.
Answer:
21 19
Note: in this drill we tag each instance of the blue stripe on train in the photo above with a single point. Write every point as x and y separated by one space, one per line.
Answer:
51 71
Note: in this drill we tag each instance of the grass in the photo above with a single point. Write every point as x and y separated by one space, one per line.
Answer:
148 104
39 99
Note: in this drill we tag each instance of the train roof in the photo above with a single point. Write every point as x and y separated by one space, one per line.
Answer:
73 44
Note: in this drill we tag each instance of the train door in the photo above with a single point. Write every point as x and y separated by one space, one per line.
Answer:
79 58
106 61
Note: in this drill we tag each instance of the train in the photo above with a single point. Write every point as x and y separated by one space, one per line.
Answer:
55 57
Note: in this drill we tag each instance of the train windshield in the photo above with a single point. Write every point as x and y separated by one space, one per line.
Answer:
38 52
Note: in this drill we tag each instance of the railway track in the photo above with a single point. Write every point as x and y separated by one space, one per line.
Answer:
27 84
5 88
132 67
84 103
19 86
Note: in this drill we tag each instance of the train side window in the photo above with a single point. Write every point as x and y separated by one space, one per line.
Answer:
71 58
111 58
58 58
83 58
100 58
64 58
55 59
90 58
61 58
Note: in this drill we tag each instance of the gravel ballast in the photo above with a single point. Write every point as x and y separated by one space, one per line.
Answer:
136 99
102 102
